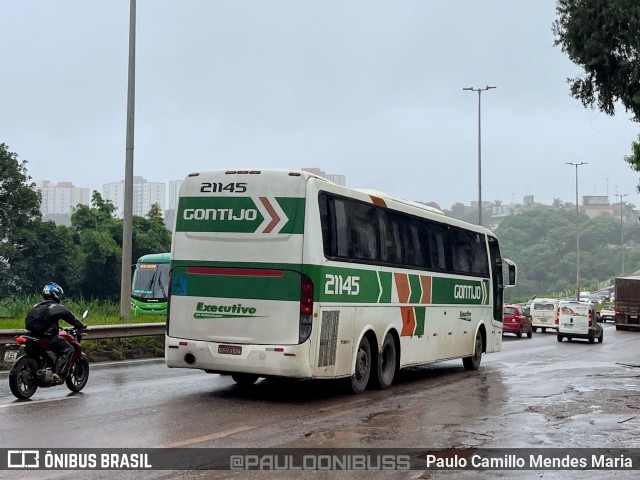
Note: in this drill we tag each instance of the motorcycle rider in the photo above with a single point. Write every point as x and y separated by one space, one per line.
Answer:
43 319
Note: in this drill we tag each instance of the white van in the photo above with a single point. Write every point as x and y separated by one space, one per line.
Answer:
543 313
578 320
584 296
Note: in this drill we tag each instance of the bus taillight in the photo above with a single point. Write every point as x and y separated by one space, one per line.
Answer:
306 308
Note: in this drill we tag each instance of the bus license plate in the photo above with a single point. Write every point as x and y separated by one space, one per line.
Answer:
230 349
10 355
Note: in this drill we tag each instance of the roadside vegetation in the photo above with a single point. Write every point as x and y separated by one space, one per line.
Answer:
13 312
543 245
85 258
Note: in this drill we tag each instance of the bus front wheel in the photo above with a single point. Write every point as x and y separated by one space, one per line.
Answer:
473 362
362 371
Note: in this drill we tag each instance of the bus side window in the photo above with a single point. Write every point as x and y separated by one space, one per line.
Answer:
479 258
436 235
342 229
461 252
413 249
389 238
327 223
361 222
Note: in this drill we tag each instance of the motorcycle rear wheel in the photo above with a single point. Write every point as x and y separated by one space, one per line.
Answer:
77 379
22 378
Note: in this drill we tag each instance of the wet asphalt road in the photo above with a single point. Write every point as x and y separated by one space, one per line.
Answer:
535 393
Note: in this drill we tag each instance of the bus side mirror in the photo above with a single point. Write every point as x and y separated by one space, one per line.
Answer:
511 273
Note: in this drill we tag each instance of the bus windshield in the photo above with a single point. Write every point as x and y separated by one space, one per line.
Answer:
150 281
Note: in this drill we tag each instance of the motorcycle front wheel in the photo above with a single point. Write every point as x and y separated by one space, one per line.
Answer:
77 379
22 378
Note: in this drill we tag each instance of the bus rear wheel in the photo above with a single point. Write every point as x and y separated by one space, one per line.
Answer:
473 362
244 378
387 363
362 371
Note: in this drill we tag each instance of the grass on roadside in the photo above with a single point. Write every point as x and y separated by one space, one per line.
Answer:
13 312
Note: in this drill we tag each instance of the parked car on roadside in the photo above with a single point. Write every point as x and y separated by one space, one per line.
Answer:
516 321
607 313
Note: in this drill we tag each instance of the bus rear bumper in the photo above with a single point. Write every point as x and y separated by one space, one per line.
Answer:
263 360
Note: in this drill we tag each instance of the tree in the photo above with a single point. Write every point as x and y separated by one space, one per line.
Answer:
634 158
20 210
150 234
47 253
543 245
602 37
20 202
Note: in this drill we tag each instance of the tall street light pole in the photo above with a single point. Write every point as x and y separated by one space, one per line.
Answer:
479 90
621 196
577 232
127 224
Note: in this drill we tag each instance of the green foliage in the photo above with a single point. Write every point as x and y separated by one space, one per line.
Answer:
18 212
602 37
150 234
86 259
14 310
634 158
543 245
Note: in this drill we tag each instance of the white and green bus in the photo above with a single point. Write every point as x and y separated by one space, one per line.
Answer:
285 274
150 285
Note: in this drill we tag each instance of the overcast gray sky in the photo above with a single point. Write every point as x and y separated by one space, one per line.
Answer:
369 89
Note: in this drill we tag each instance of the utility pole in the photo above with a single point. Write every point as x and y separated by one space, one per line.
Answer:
127 223
577 232
479 90
620 197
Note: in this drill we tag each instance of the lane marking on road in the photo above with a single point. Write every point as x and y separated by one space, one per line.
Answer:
213 436
32 402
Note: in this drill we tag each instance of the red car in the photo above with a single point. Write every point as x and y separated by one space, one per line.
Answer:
516 321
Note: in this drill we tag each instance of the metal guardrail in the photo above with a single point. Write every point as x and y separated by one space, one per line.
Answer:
102 332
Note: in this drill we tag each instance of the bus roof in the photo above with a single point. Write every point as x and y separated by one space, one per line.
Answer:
155 258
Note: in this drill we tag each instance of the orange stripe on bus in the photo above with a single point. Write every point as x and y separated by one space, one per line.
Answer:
408 321
402 287
426 289
378 201
271 211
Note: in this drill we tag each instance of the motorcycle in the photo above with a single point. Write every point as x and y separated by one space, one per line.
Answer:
35 368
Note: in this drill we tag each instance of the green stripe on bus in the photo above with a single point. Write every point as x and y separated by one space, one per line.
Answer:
294 209
386 281
237 215
285 288
334 284
420 315
416 289
458 292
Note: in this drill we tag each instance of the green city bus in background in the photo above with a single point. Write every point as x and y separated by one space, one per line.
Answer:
150 285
